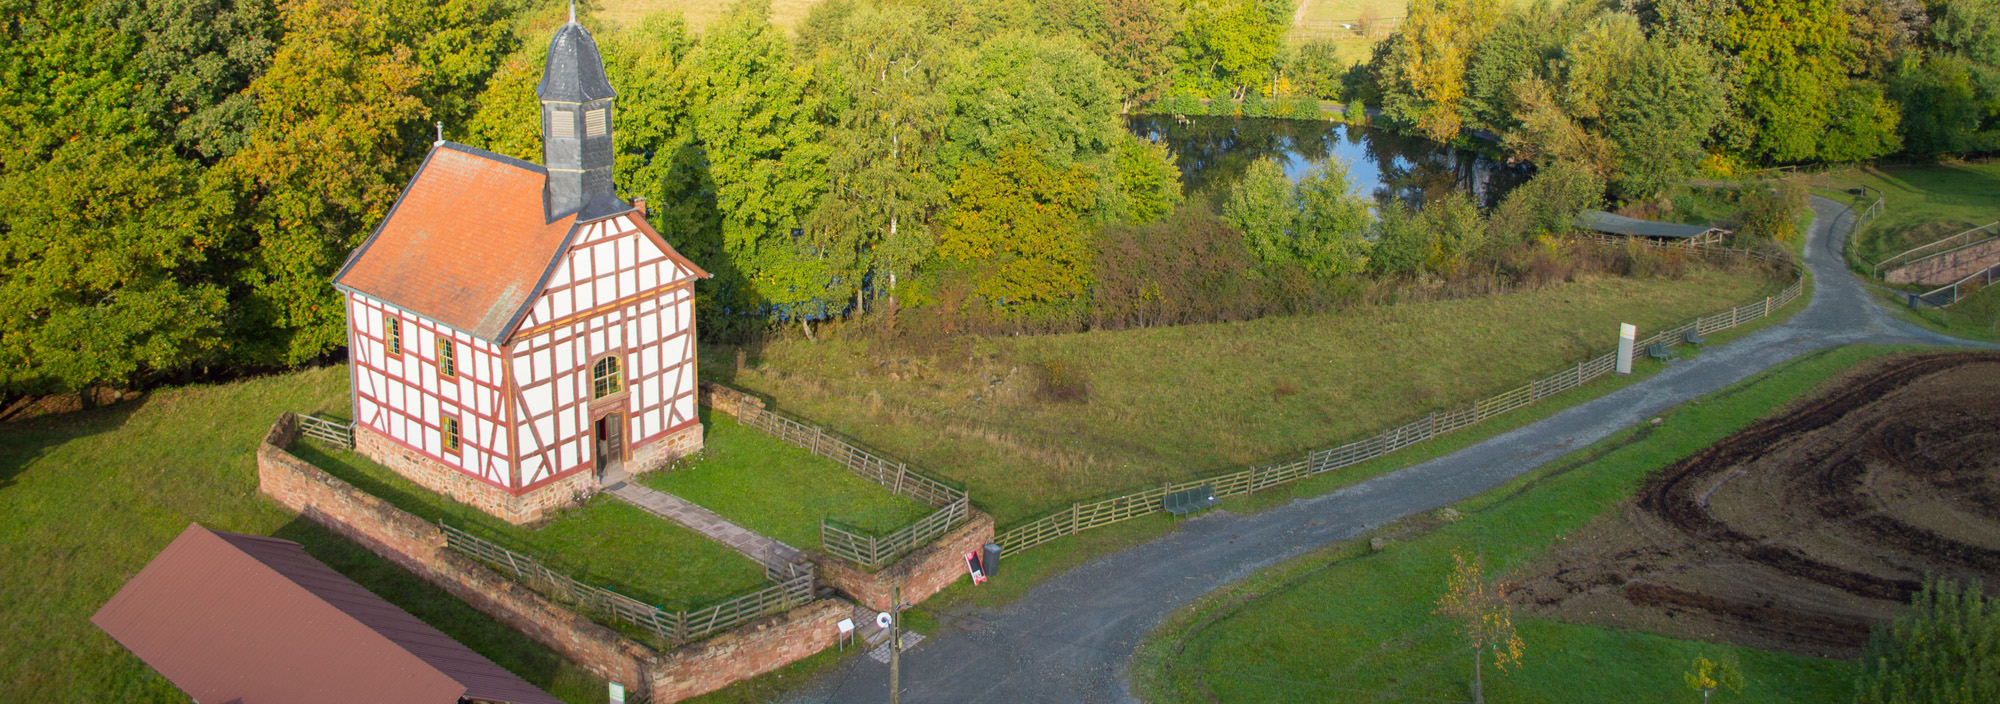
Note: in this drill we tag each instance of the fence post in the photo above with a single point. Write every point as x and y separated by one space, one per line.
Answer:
1767 306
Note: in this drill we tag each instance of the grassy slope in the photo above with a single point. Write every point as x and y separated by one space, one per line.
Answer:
780 490
606 543
87 499
1947 199
1368 614
1174 403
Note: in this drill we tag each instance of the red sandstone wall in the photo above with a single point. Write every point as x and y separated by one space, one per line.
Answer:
1946 268
754 649
922 573
418 546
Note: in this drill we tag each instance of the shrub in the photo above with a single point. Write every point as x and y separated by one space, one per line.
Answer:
1945 649
1061 382
1773 213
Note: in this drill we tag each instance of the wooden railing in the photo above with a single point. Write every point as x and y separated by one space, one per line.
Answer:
324 430
793 587
873 551
853 544
1085 516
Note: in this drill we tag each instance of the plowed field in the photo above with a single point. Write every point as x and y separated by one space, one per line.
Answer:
1802 531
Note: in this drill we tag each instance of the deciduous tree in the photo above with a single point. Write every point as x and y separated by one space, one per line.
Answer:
1485 619
1018 222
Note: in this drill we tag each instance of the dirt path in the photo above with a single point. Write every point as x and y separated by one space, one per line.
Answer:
1070 639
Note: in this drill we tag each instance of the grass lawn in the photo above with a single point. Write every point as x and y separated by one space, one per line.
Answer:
87 499
1923 204
1368 615
1175 403
778 489
606 542
1976 317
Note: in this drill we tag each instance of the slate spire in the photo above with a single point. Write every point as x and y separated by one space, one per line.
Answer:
576 128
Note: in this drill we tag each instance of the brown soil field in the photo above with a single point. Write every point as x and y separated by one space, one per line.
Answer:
1806 529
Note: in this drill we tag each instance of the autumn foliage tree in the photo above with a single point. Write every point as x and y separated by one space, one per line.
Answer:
1018 225
1423 77
1485 619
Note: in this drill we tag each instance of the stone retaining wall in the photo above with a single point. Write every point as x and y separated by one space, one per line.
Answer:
418 546
922 573
727 400
1948 267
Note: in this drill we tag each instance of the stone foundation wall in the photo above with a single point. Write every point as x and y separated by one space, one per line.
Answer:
662 452
467 489
922 573
418 546
1946 268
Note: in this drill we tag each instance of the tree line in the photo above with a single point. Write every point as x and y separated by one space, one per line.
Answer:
180 178
1647 93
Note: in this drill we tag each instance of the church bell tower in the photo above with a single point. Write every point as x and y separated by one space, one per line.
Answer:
576 128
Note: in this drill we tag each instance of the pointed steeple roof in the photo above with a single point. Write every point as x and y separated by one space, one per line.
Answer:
575 71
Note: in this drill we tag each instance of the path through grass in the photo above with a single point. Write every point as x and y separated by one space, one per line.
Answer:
780 490
1347 624
86 499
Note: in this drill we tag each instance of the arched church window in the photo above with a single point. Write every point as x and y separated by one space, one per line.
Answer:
606 378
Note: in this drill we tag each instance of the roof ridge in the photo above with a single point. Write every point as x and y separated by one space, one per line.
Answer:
494 156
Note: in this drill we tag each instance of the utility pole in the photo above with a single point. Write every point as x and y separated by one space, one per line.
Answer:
895 644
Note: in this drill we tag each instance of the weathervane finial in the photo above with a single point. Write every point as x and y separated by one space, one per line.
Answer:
572 11
440 126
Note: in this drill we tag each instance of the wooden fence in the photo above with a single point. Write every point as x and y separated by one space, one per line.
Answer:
324 430
1085 516
793 587
853 544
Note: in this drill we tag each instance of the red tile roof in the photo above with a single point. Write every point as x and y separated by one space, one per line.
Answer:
467 244
251 620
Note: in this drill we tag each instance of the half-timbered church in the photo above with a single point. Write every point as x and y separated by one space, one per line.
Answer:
518 332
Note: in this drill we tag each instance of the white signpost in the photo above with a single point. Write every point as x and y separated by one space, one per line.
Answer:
617 693
1627 333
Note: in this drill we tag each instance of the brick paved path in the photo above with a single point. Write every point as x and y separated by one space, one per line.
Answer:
706 522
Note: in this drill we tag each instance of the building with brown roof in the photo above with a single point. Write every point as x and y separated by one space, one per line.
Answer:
244 619
517 332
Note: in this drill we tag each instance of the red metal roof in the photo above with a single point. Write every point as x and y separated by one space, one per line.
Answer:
467 244
252 620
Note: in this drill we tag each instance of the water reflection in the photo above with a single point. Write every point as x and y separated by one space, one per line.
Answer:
1214 152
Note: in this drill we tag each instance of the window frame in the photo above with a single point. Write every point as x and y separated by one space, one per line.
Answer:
451 433
447 357
392 334
618 371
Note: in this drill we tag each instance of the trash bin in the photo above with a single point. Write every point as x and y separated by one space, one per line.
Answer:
989 558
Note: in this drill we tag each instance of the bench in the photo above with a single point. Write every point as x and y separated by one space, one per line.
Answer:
1659 350
1196 500
1693 336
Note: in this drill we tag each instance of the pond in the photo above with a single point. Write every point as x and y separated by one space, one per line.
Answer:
1213 153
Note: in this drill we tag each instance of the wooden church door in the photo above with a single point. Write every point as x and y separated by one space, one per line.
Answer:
610 443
